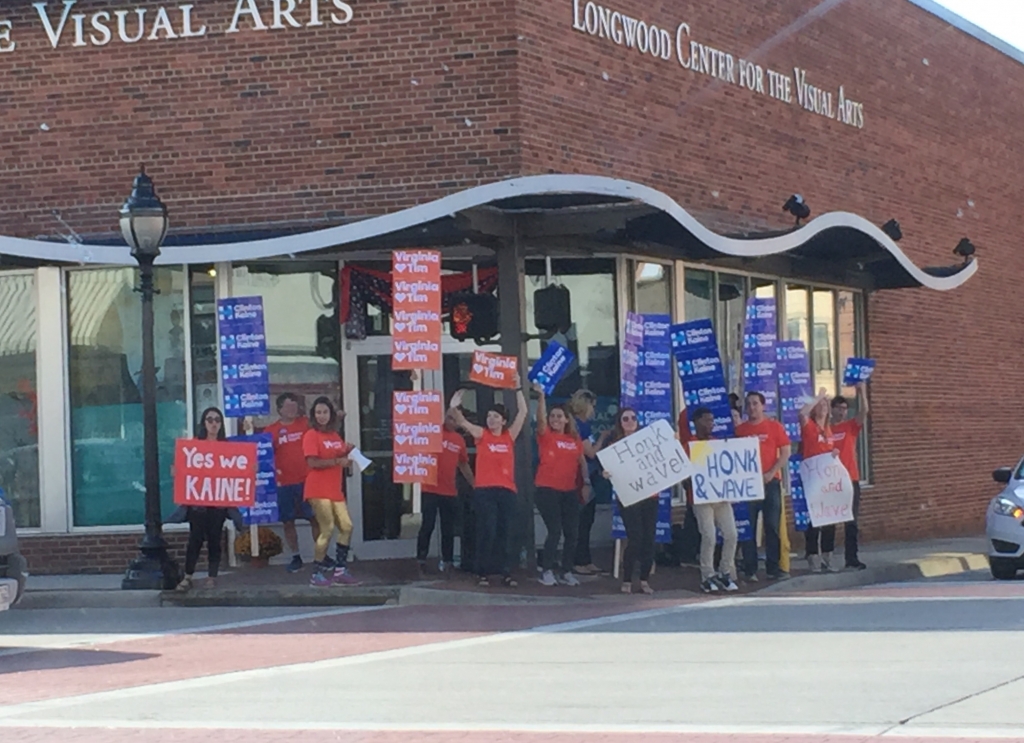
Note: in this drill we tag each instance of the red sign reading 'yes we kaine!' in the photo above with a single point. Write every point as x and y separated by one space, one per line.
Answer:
416 309
221 474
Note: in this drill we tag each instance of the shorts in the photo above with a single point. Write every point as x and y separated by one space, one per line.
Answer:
290 505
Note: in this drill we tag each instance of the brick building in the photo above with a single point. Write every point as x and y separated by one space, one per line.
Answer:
636 152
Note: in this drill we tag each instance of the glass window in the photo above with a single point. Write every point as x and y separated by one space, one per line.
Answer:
697 302
203 298
593 336
846 332
302 325
796 315
19 431
732 303
823 352
763 288
105 361
653 288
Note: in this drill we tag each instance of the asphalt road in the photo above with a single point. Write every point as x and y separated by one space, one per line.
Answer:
920 661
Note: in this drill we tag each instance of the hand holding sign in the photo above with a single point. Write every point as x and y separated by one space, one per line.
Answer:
493 370
645 463
221 474
553 364
827 489
728 470
857 371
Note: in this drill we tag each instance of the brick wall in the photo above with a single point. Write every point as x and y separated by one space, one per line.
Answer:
72 554
937 152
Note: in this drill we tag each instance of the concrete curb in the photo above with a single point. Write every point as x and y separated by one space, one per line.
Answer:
89 599
930 566
284 596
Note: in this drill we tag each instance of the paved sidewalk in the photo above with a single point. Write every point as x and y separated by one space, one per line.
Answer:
399 581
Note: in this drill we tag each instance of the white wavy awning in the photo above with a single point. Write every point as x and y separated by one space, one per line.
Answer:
335 237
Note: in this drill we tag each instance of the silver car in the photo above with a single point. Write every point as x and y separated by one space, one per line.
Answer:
12 565
1004 525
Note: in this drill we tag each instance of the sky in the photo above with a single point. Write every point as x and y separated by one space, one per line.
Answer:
1001 18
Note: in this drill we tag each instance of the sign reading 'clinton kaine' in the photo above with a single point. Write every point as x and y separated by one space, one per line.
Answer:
65 24
645 463
664 43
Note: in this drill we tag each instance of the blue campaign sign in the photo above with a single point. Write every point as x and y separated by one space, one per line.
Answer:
707 364
801 516
654 394
243 356
710 395
552 366
647 417
265 511
655 363
741 513
663 528
618 525
634 335
657 331
692 335
794 384
857 371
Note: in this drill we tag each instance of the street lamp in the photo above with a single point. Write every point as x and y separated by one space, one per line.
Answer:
144 226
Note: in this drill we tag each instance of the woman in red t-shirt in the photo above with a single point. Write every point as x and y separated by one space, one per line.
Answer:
494 494
816 438
640 519
324 489
562 461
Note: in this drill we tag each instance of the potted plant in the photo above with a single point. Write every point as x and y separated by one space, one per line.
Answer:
269 543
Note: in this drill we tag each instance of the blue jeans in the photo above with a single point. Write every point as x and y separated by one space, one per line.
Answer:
771 507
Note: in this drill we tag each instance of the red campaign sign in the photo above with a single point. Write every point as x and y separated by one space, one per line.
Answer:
417 421
413 468
416 327
493 370
215 473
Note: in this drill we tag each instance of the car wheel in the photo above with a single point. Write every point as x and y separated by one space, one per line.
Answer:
1003 569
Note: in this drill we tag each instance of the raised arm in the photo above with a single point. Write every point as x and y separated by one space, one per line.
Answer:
805 411
521 411
542 410
862 403
460 420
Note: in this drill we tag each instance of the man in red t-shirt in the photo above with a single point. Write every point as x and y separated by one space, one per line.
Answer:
775 448
441 499
290 465
844 434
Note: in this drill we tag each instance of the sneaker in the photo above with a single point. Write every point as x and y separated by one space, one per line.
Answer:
548 579
319 580
856 566
570 580
726 582
814 563
778 575
709 586
344 578
295 565
750 578
826 563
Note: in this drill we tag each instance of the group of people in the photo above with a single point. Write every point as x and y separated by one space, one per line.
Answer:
312 462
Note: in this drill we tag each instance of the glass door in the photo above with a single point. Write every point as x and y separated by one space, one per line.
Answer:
386 514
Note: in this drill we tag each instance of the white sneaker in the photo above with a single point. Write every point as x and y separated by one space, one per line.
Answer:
570 580
548 579
726 582
709 586
826 563
814 563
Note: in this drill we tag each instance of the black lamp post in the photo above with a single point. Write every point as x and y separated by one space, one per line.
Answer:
144 226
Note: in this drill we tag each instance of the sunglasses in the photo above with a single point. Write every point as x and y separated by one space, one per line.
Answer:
626 418
213 419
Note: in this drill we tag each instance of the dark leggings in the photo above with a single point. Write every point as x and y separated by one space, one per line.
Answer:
494 509
641 521
205 525
586 523
561 513
446 507
828 539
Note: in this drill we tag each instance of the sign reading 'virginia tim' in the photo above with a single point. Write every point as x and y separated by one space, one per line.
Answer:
416 298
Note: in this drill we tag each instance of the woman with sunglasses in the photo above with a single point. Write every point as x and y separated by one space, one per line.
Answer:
640 519
327 458
494 495
205 523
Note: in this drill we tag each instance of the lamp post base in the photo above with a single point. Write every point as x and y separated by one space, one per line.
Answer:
152 570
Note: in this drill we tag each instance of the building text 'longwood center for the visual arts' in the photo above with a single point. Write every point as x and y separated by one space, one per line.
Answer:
649 39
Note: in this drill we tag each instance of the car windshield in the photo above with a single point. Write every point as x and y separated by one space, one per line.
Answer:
1018 474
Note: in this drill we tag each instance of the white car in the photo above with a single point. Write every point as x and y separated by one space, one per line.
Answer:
1004 524
12 564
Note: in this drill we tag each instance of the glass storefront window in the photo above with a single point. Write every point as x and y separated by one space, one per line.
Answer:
796 316
732 303
823 353
698 290
846 332
104 365
652 284
19 425
302 327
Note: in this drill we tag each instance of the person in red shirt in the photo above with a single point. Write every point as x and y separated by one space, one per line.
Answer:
775 449
290 466
441 499
327 459
494 495
845 433
815 439
562 461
